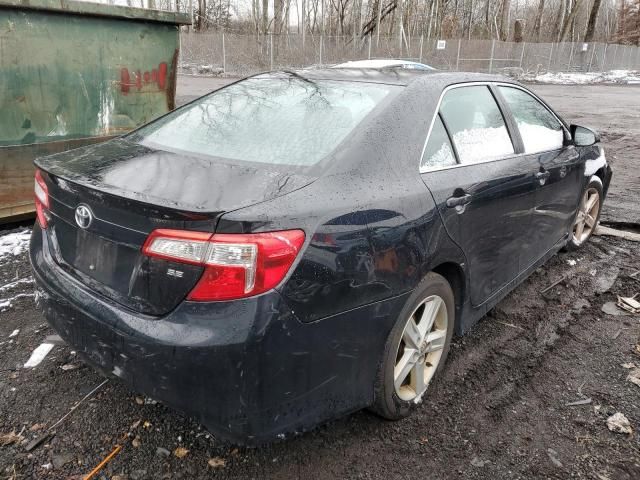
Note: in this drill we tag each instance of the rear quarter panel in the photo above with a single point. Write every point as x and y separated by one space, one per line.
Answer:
372 228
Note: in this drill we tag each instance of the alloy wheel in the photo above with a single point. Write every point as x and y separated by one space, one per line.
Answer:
587 216
420 349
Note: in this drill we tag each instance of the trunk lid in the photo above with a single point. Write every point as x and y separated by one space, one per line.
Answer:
128 191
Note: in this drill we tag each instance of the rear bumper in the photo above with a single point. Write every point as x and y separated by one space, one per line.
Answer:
248 370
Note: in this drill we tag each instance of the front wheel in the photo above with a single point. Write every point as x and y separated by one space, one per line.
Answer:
416 349
588 214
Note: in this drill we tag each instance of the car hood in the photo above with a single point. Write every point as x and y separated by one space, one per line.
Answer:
179 181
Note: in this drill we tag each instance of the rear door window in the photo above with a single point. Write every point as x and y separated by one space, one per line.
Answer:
476 125
539 128
438 152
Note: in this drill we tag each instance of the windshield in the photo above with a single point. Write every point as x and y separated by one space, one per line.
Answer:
276 120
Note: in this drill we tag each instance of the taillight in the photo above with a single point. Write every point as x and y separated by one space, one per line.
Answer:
42 199
236 265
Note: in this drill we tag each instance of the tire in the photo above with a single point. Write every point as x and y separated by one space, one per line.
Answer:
587 217
395 397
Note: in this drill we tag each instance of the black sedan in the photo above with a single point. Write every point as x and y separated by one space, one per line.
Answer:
299 245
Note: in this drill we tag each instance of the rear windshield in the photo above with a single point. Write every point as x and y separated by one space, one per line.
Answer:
284 120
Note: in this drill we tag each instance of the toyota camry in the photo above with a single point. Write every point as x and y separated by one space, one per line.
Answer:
299 245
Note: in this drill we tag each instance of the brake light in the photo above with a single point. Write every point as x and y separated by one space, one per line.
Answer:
41 199
236 265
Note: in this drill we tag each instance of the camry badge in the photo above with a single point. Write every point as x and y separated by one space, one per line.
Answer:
84 217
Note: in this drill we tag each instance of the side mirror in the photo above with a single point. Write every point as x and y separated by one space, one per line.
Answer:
583 136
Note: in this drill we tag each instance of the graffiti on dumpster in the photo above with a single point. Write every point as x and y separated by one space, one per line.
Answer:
137 79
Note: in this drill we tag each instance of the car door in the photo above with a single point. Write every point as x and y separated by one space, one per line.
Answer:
483 185
546 142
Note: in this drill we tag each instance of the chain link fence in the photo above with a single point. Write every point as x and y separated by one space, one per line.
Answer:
220 52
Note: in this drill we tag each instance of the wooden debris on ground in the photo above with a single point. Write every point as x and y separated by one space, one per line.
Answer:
630 304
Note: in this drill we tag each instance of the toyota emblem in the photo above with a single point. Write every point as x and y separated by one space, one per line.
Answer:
84 217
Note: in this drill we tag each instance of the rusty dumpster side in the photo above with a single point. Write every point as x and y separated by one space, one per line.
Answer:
72 74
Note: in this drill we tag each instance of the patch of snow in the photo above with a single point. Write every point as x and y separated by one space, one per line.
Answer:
583 78
14 333
14 243
38 355
11 285
200 69
495 143
5 303
538 138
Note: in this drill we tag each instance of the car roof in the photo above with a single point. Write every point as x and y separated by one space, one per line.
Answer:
380 63
402 77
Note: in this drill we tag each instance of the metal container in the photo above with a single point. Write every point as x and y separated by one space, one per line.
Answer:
74 73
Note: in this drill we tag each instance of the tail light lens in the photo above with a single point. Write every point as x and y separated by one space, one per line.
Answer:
236 265
42 199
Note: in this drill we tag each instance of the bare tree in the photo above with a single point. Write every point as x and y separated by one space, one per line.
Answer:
538 21
504 20
278 11
593 18
265 16
569 19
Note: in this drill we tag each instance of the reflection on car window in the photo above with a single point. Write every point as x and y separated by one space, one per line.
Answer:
287 120
539 129
476 124
438 152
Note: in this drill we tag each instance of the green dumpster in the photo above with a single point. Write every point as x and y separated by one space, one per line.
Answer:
74 73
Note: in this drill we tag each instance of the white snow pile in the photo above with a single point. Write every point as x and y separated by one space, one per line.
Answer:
625 77
14 284
13 244
200 69
7 303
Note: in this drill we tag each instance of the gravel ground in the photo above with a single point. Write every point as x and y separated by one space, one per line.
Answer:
500 409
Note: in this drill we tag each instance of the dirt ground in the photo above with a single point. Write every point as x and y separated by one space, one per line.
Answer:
501 409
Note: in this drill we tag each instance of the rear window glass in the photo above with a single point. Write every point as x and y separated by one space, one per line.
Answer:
438 152
476 124
285 120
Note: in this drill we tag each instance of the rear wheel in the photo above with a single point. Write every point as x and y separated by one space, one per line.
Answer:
588 214
416 349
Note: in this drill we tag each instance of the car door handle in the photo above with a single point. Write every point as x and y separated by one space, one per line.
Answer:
458 201
543 176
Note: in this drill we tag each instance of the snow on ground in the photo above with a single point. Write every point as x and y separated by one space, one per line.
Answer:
12 282
6 303
12 285
628 77
14 243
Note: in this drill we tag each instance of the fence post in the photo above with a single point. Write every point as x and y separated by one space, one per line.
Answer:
369 46
493 46
321 49
458 56
522 53
224 56
593 52
421 40
270 51
615 56
570 57
604 57
629 50
550 57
